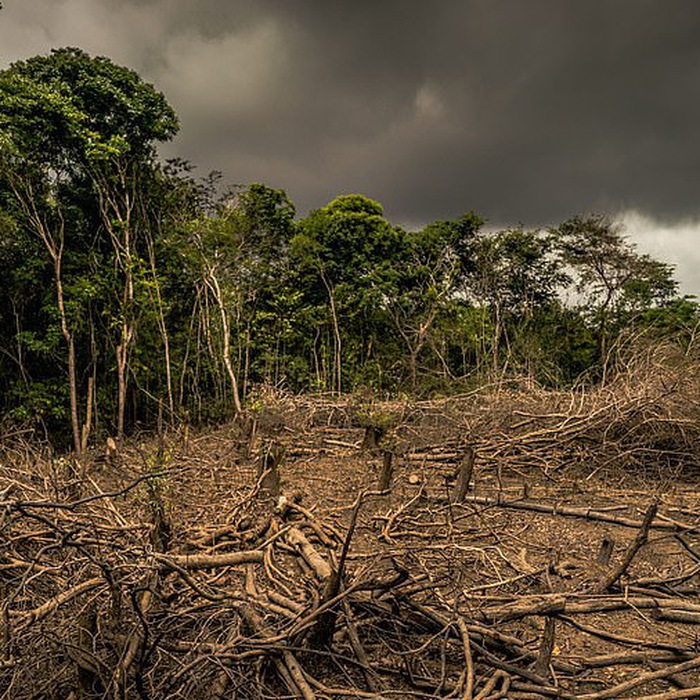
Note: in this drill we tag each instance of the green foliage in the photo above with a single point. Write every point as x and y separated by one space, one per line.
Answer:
614 283
69 101
148 281
347 256
42 401
678 318
76 150
348 241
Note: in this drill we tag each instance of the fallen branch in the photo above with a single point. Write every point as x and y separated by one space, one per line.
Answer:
209 561
643 678
639 542
320 566
30 616
556 604
572 512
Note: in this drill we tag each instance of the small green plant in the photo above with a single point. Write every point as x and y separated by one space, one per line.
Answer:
158 501
378 423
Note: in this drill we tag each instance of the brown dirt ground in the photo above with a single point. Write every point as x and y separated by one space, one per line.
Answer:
468 558
476 555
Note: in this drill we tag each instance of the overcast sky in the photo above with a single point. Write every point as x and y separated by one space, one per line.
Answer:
527 111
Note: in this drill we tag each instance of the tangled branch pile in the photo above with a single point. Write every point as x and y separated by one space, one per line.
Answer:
568 569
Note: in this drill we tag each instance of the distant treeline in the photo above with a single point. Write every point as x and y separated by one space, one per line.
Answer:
131 292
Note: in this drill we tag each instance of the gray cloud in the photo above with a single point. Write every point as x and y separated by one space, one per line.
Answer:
524 111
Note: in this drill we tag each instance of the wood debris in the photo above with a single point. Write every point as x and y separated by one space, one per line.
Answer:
450 581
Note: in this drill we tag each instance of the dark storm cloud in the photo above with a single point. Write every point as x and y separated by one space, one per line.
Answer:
527 111
524 110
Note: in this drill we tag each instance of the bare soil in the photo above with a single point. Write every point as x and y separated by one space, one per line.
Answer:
116 583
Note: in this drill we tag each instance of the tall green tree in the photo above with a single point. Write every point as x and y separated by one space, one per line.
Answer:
350 252
237 259
264 220
437 262
611 279
515 276
69 121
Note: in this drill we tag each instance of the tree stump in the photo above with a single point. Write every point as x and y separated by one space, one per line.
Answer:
387 472
247 428
268 474
373 436
464 475
607 545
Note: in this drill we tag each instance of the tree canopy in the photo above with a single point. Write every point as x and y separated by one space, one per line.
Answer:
133 292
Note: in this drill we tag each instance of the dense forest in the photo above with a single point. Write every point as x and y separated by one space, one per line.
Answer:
133 293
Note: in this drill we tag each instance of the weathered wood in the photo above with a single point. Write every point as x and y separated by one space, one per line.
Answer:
288 667
464 476
30 616
468 693
209 561
607 545
639 542
320 566
371 677
387 471
136 638
323 632
687 617
544 657
642 678
569 511
373 437
557 604
89 680
271 456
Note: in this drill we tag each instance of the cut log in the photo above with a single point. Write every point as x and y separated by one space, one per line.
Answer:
558 604
209 561
320 566
288 667
569 511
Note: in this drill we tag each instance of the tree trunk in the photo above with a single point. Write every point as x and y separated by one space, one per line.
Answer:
338 343
122 354
464 475
213 284
163 330
387 471
68 336
121 390
54 243
87 425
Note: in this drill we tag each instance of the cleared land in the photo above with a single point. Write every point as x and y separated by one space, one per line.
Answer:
170 568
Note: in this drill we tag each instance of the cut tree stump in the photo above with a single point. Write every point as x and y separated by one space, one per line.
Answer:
464 475
387 471
271 456
373 437
607 545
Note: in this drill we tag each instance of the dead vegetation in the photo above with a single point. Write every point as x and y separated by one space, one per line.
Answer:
530 544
